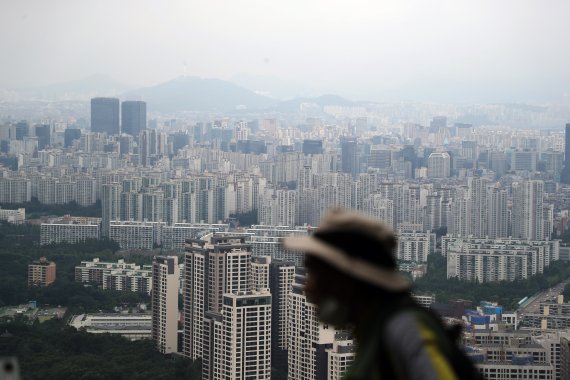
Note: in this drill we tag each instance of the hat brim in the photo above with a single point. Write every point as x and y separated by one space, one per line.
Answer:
355 267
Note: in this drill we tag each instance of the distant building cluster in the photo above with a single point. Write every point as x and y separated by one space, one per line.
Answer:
488 260
505 346
496 198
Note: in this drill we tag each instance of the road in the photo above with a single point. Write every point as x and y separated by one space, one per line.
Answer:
533 305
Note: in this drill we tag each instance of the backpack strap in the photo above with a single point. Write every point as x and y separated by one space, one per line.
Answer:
447 339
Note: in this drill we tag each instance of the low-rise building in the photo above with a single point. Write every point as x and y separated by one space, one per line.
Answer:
116 276
424 300
552 315
509 355
137 280
130 326
13 216
41 272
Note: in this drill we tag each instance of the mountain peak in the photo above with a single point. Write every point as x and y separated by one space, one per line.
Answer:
191 93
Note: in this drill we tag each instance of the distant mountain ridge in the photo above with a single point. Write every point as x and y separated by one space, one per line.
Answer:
80 89
178 95
199 94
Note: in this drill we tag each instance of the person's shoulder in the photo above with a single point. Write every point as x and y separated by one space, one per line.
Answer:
401 323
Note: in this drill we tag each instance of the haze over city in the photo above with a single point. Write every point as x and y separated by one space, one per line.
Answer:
436 51
285 190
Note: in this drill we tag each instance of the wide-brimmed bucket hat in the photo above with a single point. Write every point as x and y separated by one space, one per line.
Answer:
356 245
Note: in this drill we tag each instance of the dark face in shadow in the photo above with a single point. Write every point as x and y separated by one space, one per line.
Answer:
324 281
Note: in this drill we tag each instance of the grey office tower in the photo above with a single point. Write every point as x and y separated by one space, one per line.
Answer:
105 115
133 117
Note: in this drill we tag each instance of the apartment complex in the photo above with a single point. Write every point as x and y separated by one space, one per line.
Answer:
69 230
116 275
483 259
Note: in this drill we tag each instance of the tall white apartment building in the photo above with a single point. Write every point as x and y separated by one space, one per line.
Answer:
405 202
306 214
483 259
153 206
65 192
15 190
242 130
528 216
340 356
131 206
86 191
497 213
380 208
278 207
333 190
307 337
435 213
164 303
260 273
110 206
46 190
459 213
478 223
439 165
242 341
281 276
214 265
415 246
70 232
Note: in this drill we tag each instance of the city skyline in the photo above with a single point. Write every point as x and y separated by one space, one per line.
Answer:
157 158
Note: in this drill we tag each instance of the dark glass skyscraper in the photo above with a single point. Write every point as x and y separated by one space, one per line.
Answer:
133 117
70 135
312 146
105 115
43 133
22 130
349 155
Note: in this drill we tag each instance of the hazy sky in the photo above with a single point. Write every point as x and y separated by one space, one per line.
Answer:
421 50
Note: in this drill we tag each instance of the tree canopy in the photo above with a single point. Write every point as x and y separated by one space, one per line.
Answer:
52 350
19 245
505 292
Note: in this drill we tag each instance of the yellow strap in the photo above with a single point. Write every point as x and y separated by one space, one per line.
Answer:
440 364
